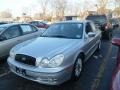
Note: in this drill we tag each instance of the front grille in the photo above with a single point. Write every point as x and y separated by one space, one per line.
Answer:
25 59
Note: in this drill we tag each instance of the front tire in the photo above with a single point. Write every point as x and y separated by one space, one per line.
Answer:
77 69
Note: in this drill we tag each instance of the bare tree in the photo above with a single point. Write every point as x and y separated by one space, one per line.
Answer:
116 11
25 11
44 5
38 16
101 7
59 7
74 8
5 14
117 3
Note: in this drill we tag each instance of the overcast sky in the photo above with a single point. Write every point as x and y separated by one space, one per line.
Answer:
19 6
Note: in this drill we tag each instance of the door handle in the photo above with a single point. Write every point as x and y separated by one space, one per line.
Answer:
36 35
18 40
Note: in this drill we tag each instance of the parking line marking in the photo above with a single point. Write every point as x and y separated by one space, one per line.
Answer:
97 80
4 74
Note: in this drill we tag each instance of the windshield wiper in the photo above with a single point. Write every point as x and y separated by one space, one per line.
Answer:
56 36
44 36
59 36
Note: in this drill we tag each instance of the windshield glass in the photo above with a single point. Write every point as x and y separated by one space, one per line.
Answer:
34 23
65 30
97 19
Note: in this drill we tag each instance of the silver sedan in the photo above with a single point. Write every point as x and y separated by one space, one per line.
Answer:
58 55
13 34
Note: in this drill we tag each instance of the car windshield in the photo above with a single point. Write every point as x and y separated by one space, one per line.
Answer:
97 19
34 23
65 30
1 23
114 21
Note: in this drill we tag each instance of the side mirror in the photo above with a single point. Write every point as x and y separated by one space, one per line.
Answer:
91 34
2 38
116 41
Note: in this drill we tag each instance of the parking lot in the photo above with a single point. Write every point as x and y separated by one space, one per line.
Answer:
96 74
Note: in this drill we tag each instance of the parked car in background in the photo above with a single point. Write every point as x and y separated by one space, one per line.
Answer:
115 23
58 55
103 23
39 24
1 23
12 34
115 85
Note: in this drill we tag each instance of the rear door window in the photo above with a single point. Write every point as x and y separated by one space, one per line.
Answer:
26 29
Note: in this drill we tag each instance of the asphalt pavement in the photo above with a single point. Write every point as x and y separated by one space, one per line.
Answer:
96 74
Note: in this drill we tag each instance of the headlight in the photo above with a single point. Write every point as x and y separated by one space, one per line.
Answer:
44 62
56 61
52 63
12 54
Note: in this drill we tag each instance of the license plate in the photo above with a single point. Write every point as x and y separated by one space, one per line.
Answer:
21 71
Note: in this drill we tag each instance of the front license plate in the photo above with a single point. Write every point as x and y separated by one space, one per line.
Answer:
21 71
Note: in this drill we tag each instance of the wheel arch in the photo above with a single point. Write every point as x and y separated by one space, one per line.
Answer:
80 54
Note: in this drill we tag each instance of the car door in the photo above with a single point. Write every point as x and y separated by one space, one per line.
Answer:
11 38
88 40
29 32
97 37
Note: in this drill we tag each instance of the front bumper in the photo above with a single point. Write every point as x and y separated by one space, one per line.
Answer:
47 76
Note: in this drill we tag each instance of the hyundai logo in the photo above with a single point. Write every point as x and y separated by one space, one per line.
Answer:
23 59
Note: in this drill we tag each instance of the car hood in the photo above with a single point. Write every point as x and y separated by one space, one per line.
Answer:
1 31
45 47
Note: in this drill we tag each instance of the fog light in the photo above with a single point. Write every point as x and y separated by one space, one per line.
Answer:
39 79
50 80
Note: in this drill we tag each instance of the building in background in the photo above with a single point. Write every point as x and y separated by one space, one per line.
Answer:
71 17
6 16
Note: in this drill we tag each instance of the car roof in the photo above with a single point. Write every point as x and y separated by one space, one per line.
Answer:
74 21
96 15
12 24
35 21
3 22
